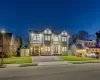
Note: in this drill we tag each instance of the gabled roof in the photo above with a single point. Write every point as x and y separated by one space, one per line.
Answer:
64 31
41 31
56 33
47 31
35 31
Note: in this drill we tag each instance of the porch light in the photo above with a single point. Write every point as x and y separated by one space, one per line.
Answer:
3 31
31 48
41 48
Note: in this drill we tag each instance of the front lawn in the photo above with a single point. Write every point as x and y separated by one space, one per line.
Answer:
75 58
17 60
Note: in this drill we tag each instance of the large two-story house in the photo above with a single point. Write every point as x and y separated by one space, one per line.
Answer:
48 42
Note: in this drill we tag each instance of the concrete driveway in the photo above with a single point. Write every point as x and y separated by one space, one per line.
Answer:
48 60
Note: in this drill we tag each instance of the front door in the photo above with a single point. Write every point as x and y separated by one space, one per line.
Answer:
36 51
55 49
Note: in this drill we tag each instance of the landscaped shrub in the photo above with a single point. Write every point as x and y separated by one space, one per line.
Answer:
7 54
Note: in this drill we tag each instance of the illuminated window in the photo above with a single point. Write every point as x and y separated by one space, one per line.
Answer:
62 33
47 37
47 48
64 48
66 33
36 37
47 31
64 39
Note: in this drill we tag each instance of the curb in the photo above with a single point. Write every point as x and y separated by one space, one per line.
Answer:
41 64
12 65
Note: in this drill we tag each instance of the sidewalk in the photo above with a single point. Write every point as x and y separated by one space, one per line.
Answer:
12 65
40 64
52 63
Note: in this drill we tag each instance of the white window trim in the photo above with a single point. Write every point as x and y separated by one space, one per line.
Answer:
47 38
35 37
47 31
64 39
64 48
47 48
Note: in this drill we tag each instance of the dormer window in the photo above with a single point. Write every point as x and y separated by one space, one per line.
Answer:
64 48
47 31
64 33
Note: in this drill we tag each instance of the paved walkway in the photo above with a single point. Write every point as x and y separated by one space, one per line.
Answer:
48 60
12 65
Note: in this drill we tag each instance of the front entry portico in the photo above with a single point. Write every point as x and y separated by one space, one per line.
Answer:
56 49
36 50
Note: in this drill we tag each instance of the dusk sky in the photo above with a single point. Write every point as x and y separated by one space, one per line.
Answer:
19 16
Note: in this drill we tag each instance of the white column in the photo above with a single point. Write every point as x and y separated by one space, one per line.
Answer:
51 50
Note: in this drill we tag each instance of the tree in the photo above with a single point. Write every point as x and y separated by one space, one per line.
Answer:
74 38
19 42
73 48
82 35
98 39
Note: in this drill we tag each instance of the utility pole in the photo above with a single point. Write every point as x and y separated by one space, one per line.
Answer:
2 55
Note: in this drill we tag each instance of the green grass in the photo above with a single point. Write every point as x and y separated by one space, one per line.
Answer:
75 58
80 60
30 64
17 60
